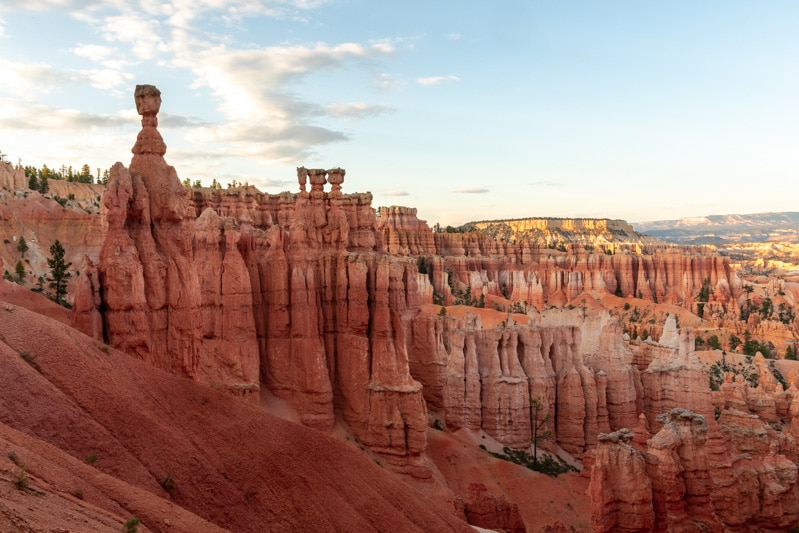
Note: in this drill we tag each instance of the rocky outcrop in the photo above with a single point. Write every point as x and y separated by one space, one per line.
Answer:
485 510
732 475
677 464
690 483
86 315
620 490
12 178
403 233
314 297
529 261
675 378
599 232
485 378
41 220
238 289
667 488
151 289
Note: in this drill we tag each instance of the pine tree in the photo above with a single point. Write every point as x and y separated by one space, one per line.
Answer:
85 175
22 246
790 354
59 271
537 424
20 270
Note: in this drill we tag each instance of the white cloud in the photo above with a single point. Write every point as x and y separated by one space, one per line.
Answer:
356 110
24 80
471 190
396 192
107 56
166 120
386 82
436 80
103 79
50 5
252 83
454 36
264 116
27 116
138 32
94 52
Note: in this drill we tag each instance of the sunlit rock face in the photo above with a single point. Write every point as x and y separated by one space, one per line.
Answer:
552 261
239 289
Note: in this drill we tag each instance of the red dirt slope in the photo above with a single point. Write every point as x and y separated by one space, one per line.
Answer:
231 463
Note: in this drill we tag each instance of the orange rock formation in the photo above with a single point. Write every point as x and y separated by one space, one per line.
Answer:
312 296
290 290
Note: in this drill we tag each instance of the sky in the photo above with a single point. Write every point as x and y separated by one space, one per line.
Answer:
465 110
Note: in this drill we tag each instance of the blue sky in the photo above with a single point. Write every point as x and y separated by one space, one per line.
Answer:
465 110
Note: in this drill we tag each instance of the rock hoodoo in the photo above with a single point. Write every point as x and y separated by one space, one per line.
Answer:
238 289
329 305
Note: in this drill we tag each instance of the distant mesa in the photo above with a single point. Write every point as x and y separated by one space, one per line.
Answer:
721 229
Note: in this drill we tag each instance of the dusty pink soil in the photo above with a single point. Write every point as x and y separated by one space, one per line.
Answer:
542 500
233 465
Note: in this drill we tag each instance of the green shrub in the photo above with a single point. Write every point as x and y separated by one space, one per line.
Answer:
168 483
545 464
21 481
713 342
747 371
131 526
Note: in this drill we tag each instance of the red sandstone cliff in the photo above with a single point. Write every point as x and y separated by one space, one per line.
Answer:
313 297
41 220
706 469
525 269
237 289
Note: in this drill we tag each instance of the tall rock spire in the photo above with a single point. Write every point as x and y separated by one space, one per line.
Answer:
148 103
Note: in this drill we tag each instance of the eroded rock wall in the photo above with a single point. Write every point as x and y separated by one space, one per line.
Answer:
503 259
237 289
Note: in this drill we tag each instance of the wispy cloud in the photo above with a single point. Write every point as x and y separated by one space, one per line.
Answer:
94 52
41 5
356 110
103 79
396 192
386 82
269 182
471 190
27 116
24 80
263 115
545 184
253 88
167 120
437 80
454 36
